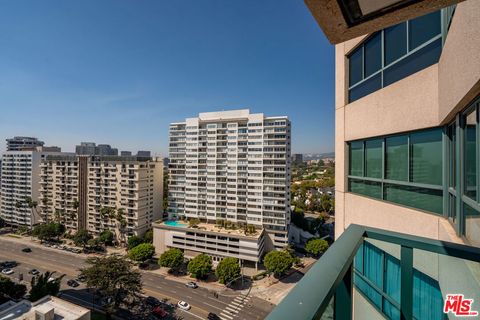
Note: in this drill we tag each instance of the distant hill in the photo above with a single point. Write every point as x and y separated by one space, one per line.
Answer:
315 156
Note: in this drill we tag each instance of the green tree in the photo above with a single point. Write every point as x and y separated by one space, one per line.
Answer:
114 278
278 262
148 236
121 223
10 289
81 237
316 246
193 222
142 252
106 237
228 270
134 241
172 258
49 230
200 266
45 284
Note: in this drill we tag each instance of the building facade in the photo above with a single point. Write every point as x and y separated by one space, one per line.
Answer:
21 143
232 166
77 189
91 148
20 181
407 163
297 158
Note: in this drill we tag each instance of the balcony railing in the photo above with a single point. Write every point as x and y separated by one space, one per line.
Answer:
414 275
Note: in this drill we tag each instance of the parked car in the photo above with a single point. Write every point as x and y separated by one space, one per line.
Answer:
159 312
183 305
81 278
7 271
191 285
34 272
27 250
72 283
8 264
152 301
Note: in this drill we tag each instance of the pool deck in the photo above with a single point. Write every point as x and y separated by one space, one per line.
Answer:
210 228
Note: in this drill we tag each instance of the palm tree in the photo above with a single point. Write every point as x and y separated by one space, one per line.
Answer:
122 223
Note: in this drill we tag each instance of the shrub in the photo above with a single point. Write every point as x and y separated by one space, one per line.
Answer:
134 241
142 252
148 236
106 237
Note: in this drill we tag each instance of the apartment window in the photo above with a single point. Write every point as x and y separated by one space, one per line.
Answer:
393 54
404 169
377 276
397 158
426 157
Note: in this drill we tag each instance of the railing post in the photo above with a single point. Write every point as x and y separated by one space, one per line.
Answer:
343 297
406 296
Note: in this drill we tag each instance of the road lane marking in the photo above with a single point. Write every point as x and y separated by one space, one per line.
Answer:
223 315
210 305
230 309
193 314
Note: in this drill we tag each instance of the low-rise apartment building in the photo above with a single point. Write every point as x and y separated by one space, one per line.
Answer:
217 242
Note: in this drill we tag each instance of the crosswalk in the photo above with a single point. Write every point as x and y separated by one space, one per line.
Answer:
234 308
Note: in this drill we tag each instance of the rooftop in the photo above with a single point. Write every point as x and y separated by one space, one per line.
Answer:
27 310
209 227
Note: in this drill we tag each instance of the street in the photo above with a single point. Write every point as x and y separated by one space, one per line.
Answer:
229 305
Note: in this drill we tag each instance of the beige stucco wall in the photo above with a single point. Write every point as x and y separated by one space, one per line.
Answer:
422 100
459 65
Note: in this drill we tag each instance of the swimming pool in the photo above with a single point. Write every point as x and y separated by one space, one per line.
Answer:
174 223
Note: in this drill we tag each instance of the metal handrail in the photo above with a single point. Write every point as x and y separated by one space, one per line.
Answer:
312 295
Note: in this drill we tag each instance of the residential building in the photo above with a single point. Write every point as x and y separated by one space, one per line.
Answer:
407 198
125 153
21 143
90 148
232 166
21 180
297 158
47 308
75 188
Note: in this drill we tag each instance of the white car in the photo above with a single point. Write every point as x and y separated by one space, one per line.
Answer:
183 305
7 271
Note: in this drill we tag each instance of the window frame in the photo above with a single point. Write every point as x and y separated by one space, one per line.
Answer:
445 20
384 181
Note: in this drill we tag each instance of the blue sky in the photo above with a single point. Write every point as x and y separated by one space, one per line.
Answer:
119 71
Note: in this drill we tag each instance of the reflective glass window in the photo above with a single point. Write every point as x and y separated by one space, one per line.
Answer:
421 198
355 66
356 158
395 42
373 158
373 54
423 28
426 157
396 158
470 155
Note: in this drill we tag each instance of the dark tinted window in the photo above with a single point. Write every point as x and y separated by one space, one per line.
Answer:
413 63
373 54
423 28
395 42
356 66
367 87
